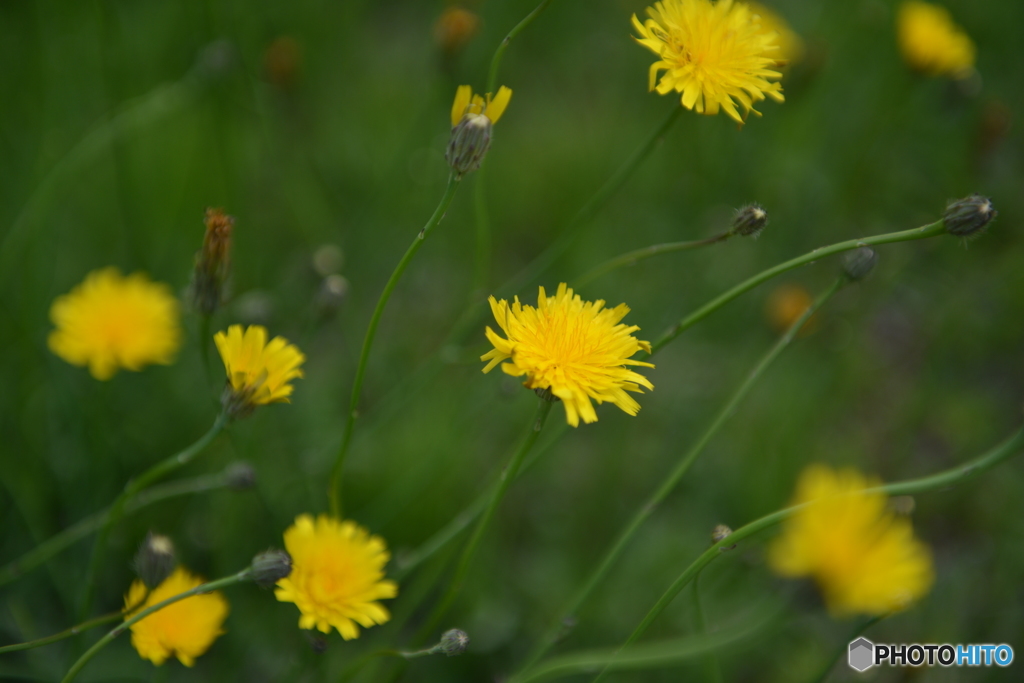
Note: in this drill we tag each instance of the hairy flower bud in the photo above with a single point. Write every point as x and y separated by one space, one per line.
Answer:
155 560
968 216
720 533
471 138
213 263
750 221
454 642
271 566
859 262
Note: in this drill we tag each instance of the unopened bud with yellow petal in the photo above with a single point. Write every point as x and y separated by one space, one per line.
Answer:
155 560
473 117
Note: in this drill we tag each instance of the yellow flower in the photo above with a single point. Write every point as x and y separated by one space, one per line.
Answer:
259 373
791 45
468 103
865 559
110 322
572 348
713 53
931 42
337 575
185 629
786 304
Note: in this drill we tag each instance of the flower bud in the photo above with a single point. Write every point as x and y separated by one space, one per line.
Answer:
454 29
859 262
471 138
271 566
749 221
213 263
720 533
240 476
968 216
454 642
155 560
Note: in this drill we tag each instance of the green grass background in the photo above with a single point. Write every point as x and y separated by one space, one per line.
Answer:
121 121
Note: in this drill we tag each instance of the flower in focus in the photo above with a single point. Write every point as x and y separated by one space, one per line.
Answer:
185 629
337 575
791 45
931 42
714 54
865 559
466 103
110 322
578 350
258 372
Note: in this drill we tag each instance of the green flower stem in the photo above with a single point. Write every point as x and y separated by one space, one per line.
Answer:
132 489
631 258
334 492
209 587
59 542
73 631
842 649
466 558
1008 448
492 76
358 665
204 346
482 267
713 671
471 317
930 230
672 480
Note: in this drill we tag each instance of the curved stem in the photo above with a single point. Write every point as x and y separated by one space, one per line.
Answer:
492 75
466 558
672 480
133 488
244 575
73 631
482 267
713 671
334 492
983 463
62 540
930 230
631 258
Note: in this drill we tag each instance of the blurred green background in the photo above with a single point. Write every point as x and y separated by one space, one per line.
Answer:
320 123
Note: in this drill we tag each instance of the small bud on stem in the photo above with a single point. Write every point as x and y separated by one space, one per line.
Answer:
271 566
749 221
967 217
155 560
859 262
471 138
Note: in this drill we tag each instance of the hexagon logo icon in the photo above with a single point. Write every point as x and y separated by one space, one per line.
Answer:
862 654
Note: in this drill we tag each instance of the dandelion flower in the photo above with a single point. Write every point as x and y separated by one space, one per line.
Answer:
337 575
865 558
110 322
578 350
714 54
468 103
931 42
185 629
258 372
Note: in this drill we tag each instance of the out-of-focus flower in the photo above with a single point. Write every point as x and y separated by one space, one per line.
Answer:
577 350
184 629
786 304
865 559
455 28
282 62
714 54
791 45
258 372
337 575
110 322
931 42
213 263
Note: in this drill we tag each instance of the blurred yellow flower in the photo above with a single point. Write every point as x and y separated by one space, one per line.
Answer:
786 304
110 322
791 45
931 42
715 54
258 372
865 559
337 575
576 349
468 103
455 28
185 629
